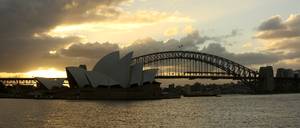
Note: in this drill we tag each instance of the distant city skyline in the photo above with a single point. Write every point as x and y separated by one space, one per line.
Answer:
41 38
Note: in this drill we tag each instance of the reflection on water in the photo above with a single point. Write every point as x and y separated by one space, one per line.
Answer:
226 111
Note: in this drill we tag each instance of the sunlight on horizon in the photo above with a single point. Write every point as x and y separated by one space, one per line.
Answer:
48 73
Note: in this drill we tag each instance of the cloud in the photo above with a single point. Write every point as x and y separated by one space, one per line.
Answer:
281 35
273 23
24 44
23 18
234 32
288 63
282 38
171 31
287 48
140 46
250 58
284 44
124 21
277 28
151 16
188 29
24 54
247 45
89 50
190 42
26 27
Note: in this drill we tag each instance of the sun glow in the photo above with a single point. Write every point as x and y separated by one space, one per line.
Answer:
48 73
52 52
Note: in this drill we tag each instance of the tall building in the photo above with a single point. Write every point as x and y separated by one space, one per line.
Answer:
287 73
267 79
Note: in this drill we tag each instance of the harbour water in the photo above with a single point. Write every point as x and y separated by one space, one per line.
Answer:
229 111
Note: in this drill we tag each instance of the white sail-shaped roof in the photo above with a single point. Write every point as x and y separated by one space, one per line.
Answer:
136 74
79 76
96 79
124 70
108 65
49 83
149 75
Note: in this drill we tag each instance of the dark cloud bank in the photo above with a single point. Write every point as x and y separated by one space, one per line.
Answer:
191 42
21 51
276 28
22 19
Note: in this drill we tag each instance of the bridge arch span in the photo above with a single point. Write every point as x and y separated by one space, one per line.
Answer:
229 67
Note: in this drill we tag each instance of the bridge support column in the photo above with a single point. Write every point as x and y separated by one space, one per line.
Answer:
266 81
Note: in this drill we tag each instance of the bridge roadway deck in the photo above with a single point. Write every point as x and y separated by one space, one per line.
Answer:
204 77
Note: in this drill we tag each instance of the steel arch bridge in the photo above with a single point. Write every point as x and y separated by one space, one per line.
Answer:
193 65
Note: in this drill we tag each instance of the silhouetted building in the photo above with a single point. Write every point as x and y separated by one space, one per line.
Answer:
111 70
287 80
2 86
285 73
266 83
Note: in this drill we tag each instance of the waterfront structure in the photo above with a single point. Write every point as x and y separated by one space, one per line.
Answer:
50 83
109 71
297 73
267 78
286 73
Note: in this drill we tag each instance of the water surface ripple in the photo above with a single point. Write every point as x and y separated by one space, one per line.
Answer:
230 111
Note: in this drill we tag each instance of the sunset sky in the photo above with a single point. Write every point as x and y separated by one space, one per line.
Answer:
41 37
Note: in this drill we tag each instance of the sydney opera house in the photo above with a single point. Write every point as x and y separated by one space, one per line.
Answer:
111 70
112 77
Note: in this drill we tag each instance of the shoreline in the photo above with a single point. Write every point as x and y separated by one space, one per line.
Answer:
143 99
